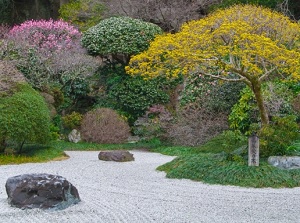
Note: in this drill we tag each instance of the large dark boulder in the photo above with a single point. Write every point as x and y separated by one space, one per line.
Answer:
41 191
116 155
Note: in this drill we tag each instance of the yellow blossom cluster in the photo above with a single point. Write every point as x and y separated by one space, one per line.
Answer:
246 41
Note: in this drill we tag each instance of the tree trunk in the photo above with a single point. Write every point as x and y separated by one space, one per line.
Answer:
21 147
2 145
256 88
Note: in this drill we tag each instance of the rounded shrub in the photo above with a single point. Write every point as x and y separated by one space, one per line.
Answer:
119 35
24 117
104 125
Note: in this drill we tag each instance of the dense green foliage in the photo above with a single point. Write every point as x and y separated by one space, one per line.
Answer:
240 117
135 95
24 117
72 121
278 136
132 96
278 101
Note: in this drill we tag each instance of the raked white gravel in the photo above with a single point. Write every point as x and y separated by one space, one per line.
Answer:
134 192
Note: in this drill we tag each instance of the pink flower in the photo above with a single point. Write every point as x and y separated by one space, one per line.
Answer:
46 35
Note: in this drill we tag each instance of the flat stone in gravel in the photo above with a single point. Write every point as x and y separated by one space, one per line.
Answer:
116 155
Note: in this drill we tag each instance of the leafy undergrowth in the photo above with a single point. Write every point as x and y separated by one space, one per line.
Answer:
33 154
209 163
213 169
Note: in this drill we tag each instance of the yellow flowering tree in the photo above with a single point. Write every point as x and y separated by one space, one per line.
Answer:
244 43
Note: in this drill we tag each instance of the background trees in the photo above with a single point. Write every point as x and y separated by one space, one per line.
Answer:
226 44
287 7
17 11
247 43
115 40
168 14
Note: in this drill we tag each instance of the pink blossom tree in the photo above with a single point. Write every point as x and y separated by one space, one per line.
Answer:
49 53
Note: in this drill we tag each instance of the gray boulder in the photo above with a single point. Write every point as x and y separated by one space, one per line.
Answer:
43 191
285 162
116 155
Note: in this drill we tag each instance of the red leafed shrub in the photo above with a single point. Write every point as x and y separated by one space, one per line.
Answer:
104 125
195 126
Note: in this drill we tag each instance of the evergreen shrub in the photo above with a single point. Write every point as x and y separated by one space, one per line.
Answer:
119 35
24 118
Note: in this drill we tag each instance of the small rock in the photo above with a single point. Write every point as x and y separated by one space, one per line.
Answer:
74 136
43 191
116 155
133 139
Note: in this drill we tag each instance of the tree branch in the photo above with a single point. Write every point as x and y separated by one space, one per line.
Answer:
242 79
266 74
